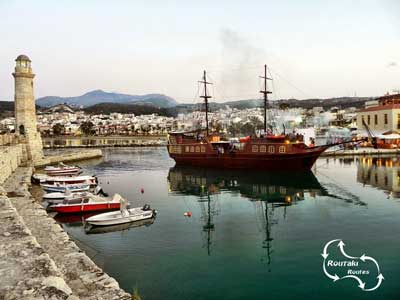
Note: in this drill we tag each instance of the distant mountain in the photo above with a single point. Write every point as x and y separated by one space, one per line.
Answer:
99 96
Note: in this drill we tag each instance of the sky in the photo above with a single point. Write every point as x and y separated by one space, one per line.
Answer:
313 49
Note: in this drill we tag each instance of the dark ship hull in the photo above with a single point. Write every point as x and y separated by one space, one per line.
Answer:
293 161
268 153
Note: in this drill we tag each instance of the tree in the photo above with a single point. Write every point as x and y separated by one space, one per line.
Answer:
247 129
284 106
258 125
234 129
58 129
87 127
216 126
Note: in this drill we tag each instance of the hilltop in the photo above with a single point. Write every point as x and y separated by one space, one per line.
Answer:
100 96
166 106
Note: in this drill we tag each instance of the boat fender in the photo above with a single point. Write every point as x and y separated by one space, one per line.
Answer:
142 190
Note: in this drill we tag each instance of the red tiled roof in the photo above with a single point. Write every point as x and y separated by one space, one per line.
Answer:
380 107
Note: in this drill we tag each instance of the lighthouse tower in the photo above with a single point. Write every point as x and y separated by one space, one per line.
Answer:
25 110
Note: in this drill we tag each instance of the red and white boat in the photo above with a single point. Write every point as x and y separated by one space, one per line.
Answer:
62 169
41 178
91 203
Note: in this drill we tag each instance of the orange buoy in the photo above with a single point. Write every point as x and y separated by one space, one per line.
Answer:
188 214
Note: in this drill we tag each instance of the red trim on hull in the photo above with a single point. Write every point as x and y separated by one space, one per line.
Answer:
297 161
85 207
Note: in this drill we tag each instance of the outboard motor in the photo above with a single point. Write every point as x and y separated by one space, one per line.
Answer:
99 191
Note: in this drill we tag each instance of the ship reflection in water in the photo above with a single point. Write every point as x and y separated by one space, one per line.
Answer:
380 172
271 194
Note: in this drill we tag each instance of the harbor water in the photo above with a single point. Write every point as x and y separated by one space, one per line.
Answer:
252 235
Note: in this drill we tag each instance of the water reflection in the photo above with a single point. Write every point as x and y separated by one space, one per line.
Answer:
280 188
380 172
268 192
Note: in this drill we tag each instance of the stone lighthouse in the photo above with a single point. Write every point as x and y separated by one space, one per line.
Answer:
25 110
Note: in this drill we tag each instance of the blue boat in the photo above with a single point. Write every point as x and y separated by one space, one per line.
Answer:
65 187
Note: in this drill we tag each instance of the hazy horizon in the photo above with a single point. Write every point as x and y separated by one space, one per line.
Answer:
314 49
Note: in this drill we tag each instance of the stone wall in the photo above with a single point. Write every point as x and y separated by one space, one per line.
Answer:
8 139
69 156
39 260
26 270
10 158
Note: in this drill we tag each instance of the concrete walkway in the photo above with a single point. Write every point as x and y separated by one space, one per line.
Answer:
361 152
84 279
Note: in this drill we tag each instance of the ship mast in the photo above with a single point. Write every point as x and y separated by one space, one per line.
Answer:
265 92
205 97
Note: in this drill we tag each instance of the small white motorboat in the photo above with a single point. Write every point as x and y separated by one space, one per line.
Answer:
58 187
90 229
62 169
124 215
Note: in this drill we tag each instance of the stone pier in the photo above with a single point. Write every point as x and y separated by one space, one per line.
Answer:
38 260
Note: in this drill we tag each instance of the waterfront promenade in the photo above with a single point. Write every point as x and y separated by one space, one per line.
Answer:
103 141
361 152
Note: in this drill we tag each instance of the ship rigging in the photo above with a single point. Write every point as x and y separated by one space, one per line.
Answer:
266 151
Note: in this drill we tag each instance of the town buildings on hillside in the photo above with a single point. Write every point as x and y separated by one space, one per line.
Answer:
63 120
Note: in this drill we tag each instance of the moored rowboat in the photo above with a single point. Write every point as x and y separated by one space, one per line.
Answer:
91 203
57 197
41 178
62 169
65 187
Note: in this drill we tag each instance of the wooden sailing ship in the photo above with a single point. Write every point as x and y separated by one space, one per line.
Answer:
266 151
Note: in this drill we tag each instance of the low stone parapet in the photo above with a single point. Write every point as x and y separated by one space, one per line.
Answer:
10 158
26 270
8 139
69 156
81 276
